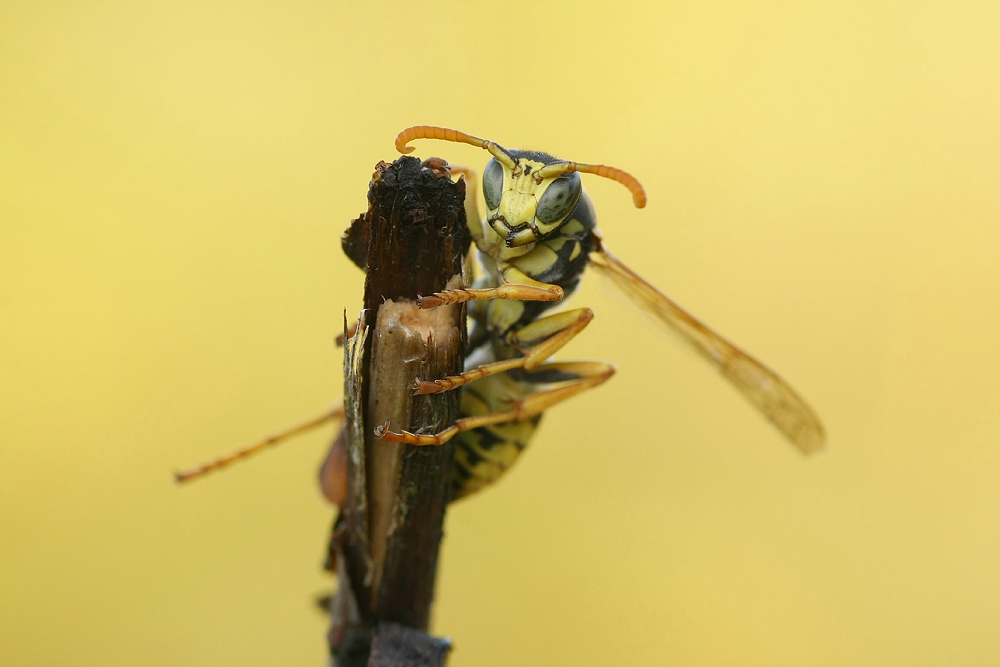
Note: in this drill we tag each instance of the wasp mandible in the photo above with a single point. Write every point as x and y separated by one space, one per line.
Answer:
534 244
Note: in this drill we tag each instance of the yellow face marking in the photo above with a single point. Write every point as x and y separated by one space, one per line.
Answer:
514 218
517 207
525 183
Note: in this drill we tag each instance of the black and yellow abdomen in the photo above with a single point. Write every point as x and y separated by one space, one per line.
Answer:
483 454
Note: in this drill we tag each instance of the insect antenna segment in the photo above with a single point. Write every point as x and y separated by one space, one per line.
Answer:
603 170
447 134
501 154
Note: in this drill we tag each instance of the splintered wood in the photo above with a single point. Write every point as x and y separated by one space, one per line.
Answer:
406 338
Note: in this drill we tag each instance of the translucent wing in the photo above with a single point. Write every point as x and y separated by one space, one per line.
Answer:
762 386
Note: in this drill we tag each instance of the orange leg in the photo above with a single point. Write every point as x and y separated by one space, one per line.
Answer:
472 218
583 374
543 338
516 285
334 414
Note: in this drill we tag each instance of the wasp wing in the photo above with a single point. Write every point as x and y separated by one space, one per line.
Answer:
762 386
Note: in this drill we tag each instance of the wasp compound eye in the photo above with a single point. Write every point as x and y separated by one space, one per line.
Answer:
493 184
559 198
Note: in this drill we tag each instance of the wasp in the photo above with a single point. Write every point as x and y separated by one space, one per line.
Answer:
537 239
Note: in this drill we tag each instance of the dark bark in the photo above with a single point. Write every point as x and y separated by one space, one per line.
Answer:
412 241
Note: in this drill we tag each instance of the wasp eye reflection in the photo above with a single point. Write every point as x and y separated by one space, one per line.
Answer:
493 183
559 198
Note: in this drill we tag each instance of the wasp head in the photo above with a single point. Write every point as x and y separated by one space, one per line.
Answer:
529 195
525 203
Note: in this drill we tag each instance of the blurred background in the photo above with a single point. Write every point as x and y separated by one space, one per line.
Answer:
823 189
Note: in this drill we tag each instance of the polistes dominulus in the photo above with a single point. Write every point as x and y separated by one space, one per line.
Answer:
534 244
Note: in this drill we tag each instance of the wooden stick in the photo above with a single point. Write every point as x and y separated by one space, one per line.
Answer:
412 241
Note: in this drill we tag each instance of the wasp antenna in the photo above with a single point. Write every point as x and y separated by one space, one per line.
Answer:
434 132
603 170
623 177
448 134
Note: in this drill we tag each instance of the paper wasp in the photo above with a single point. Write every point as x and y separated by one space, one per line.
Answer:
534 244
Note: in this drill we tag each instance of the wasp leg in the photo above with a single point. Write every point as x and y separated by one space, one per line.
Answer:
573 376
333 414
516 285
472 219
542 338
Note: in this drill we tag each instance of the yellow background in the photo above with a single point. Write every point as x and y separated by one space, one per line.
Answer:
824 188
